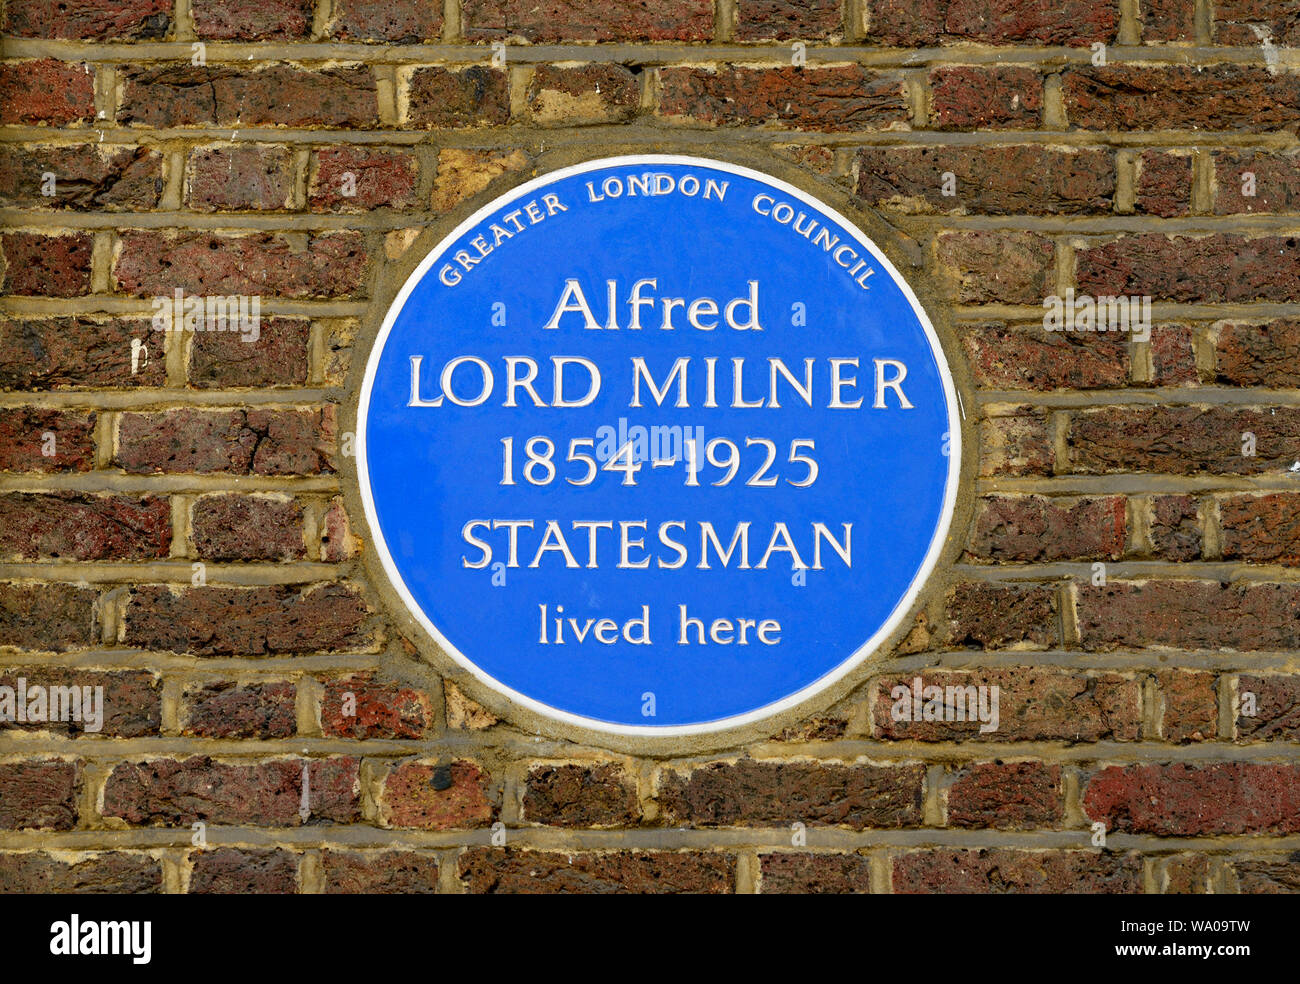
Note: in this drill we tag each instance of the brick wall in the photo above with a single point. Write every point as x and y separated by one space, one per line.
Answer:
174 513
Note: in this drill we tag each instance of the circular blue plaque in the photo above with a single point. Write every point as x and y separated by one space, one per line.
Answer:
657 445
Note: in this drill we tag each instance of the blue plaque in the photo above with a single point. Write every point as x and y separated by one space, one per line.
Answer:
657 445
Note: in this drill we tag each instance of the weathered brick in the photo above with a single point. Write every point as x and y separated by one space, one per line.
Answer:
46 91
39 795
379 872
845 97
239 178
109 873
588 20
132 700
444 97
229 710
787 20
89 20
495 871
277 357
337 541
1036 529
67 353
213 621
748 793
174 792
380 179
84 526
51 617
1000 616
464 172
968 97
1214 269
26 444
1189 705
87 177
361 707
1025 180
1276 700
1184 874
152 263
1173 361
1263 529
437 797
999 871
1168 20
814 874
988 267
240 442
1189 615
397 21
230 526
278 95
908 23
236 871
1175 440
1273 179
1184 799
1164 183
253 20
50 265
1007 795
1035 359
1251 22
602 795
1258 354
585 94
1268 874
1016 441
1180 97
1034 704
1175 528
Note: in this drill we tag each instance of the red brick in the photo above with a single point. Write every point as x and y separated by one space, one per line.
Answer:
1276 182
913 23
1175 528
1190 615
265 621
1164 183
788 20
1262 529
1016 441
253 20
1173 362
994 180
49 617
987 267
1168 20
815 874
277 357
382 710
89 20
1243 22
239 442
175 792
1007 796
748 793
229 710
1034 704
398 21
1180 97
581 95
845 97
90 177
232 871
383 179
1190 710
67 353
488 871
998 616
50 265
132 705
83 526
588 20
444 97
1036 359
109 873
1268 874
1034 529
1277 708
239 178
23 440
379 872
967 97
998 871
230 526
336 539
1183 799
601 795
1215 269
1258 354
278 95
39 795
153 263
46 91
1173 440
456 796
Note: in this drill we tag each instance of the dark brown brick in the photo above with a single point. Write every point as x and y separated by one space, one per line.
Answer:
1258 354
1007 796
46 91
109 873
1175 528
495 871
132 705
25 440
49 265
788 20
1268 874
229 710
253 20
1164 183
277 357
1275 181
968 97
1276 701
379 872
240 442
586 94
1185 874
588 20
1168 20
1034 529
908 23
444 97
89 177
39 795
602 795
50 617
1180 97
380 179
1173 362
1249 22
998 871
84 526
240 178
1190 710
67 353
998 616
1015 441
232 871
1033 358
89 20
397 21
231 526
987 267
1261 529
815 874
